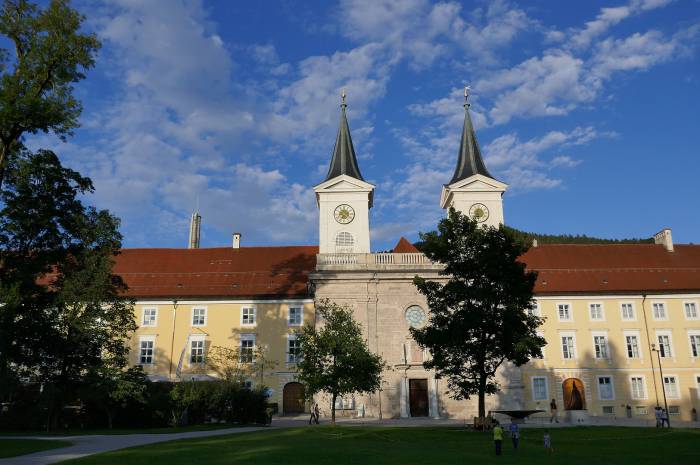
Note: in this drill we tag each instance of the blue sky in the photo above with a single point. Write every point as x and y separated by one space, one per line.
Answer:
589 110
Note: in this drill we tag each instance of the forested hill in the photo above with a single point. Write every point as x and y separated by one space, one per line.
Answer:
528 237
571 239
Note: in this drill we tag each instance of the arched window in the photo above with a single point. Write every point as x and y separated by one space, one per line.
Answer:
344 242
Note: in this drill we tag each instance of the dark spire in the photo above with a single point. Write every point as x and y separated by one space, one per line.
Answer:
469 162
344 161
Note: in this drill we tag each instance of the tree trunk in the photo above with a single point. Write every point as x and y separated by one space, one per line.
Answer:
482 397
3 156
110 418
333 408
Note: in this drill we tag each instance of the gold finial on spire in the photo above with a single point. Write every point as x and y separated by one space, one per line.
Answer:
342 96
467 91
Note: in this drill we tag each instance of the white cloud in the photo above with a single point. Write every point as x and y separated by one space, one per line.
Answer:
564 161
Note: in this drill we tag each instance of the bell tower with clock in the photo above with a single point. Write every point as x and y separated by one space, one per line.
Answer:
344 198
472 190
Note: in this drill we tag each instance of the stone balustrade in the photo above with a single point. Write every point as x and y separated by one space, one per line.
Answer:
374 261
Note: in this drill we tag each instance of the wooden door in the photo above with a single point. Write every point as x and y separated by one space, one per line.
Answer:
418 396
293 398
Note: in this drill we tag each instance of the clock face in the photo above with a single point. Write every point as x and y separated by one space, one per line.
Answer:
479 212
415 316
344 214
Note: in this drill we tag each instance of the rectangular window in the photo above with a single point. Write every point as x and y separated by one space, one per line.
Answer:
539 388
534 310
627 311
608 410
247 316
691 310
150 317
146 351
632 346
638 388
596 311
541 334
247 348
671 386
564 311
659 310
294 316
640 410
605 388
674 410
695 345
567 347
292 349
196 351
664 345
199 316
697 385
601 346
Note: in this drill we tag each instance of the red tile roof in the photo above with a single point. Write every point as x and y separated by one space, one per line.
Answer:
403 246
217 272
284 271
614 268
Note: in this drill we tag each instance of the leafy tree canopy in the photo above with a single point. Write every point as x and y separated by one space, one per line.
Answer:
63 316
48 56
479 317
335 358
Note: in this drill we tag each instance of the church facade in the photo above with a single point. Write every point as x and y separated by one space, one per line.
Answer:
622 321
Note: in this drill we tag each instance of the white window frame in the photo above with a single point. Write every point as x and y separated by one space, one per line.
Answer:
645 395
536 310
546 388
544 355
696 377
606 341
301 316
671 349
635 333
571 311
290 338
697 310
206 316
602 311
197 338
152 340
664 306
693 333
612 386
622 312
255 316
155 317
677 382
572 335
247 338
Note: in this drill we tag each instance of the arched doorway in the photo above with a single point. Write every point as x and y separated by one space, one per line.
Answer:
574 394
293 398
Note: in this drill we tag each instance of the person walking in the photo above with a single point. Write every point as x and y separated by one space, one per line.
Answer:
548 441
314 409
498 437
664 418
317 413
514 434
658 416
553 410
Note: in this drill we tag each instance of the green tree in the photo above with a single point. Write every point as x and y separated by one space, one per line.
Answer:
48 56
335 358
114 388
63 315
479 317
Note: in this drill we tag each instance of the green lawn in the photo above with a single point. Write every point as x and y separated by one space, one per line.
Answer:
326 445
83 432
15 447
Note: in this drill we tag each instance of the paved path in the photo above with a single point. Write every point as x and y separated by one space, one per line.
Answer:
95 444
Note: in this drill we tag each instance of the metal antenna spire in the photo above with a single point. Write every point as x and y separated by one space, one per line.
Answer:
342 96
467 91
